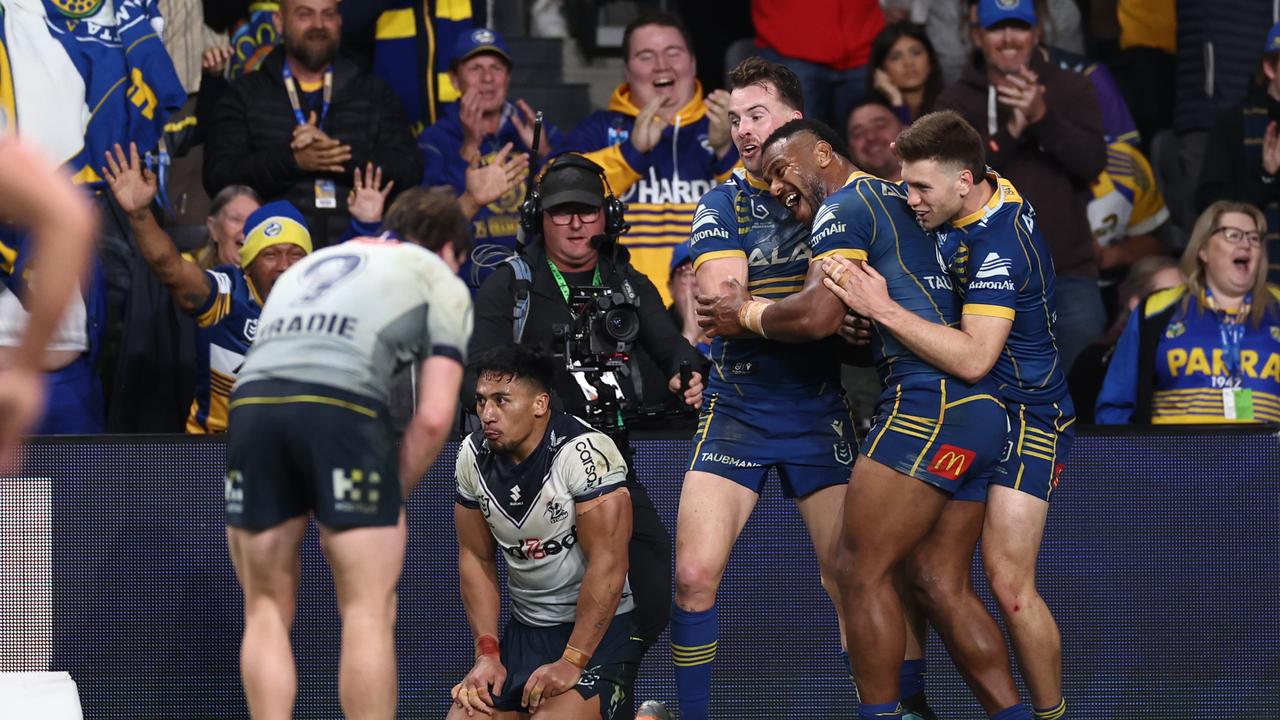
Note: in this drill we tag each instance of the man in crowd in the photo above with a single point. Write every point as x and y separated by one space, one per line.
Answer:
296 129
226 301
871 130
661 144
552 493
1242 156
310 433
1046 136
477 127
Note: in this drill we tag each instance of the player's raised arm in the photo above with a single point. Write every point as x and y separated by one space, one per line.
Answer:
967 353
134 187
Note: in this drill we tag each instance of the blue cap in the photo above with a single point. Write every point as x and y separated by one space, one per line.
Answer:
680 255
991 12
478 41
1273 40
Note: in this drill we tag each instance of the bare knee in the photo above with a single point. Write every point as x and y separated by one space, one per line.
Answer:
696 585
1013 591
371 610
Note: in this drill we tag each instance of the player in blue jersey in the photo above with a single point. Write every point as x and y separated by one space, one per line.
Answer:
225 301
769 404
934 438
60 223
986 233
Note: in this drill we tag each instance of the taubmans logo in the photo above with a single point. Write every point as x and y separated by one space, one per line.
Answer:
535 549
951 461
729 460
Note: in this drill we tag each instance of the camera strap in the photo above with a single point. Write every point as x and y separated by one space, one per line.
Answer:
564 286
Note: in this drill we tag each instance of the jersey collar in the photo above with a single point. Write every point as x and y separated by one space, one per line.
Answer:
993 204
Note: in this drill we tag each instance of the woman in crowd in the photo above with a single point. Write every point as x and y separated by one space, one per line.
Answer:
905 70
1207 351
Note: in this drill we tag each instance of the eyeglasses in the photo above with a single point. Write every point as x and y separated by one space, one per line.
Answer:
564 217
1236 236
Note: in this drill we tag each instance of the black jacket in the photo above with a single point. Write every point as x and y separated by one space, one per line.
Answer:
660 348
253 123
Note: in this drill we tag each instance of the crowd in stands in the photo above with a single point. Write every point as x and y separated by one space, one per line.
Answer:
1145 133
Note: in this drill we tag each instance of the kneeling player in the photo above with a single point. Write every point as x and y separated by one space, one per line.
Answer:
550 492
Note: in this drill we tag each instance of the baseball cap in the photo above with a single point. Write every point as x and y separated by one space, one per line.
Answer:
480 41
1273 40
680 255
991 12
272 224
565 183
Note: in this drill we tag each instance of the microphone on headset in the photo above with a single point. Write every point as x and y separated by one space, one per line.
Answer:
530 193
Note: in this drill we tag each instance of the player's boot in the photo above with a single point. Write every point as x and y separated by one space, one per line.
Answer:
652 710
917 707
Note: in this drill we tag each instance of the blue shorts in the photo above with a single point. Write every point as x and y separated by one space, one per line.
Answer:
1039 442
942 432
610 673
809 439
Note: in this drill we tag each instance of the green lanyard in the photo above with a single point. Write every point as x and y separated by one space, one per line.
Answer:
564 286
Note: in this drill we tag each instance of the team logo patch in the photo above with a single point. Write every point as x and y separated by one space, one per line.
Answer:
77 9
1177 328
272 229
951 462
1007 4
555 512
843 452
482 36
1275 333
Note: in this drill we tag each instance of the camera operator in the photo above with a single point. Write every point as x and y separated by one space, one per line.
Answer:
571 223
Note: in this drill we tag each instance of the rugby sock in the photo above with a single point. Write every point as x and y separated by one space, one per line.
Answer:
1017 712
911 677
879 712
1054 713
693 646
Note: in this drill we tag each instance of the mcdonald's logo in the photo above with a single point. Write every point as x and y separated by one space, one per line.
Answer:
951 461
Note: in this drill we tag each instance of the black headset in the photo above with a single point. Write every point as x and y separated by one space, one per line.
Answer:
615 222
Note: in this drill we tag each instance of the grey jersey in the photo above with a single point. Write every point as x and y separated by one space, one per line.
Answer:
531 509
349 315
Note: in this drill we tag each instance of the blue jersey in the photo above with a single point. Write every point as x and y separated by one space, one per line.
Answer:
226 325
868 219
1002 268
13 260
739 218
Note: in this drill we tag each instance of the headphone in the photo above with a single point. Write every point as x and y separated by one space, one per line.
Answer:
615 222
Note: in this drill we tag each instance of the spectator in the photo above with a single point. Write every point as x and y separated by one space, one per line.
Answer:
477 127
827 45
227 213
872 128
296 129
411 51
662 146
904 70
1205 351
1126 212
226 301
1146 63
575 208
1148 275
948 28
1043 131
1242 156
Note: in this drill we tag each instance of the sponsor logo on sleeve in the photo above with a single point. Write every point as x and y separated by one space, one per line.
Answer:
706 224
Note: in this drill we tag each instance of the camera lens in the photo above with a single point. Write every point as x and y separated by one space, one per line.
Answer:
623 325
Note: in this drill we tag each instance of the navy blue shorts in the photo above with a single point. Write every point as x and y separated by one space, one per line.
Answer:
294 448
942 432
808 439
610 673
1039 442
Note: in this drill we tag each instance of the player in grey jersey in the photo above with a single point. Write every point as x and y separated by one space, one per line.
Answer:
547 492
309 432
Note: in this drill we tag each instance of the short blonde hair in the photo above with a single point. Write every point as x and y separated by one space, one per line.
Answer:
1204 228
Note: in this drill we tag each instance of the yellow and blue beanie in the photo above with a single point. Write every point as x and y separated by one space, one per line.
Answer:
275 223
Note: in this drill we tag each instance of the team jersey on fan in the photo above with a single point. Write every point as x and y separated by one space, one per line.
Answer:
531 509
1002 268
868 219
740 218
349 316
1125 200
225 327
